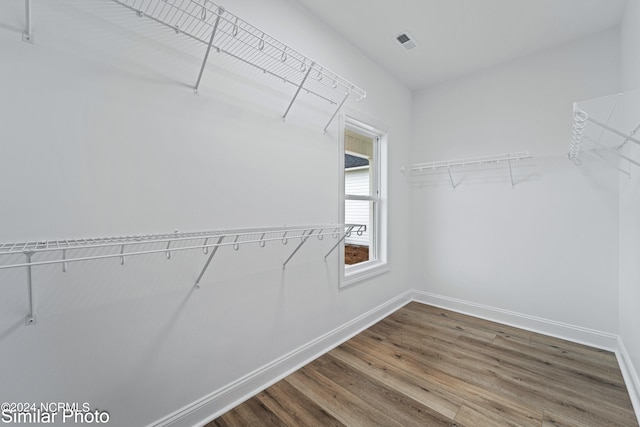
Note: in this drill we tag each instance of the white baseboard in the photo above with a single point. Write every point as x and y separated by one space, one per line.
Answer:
225 398
630 376
577 334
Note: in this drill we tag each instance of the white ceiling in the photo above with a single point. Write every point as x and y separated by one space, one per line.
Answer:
456 37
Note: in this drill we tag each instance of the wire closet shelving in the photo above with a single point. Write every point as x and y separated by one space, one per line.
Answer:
221 30
451 166
607 124
36 253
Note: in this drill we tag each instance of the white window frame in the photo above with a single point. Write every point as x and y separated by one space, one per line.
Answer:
355 273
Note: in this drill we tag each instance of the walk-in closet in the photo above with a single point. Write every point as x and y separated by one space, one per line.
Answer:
310 213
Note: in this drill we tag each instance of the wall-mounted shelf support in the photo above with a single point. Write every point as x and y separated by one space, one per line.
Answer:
451 165
451 177
27 35
359 230
613 151
29 254
621 112
304 79
303 240
31 317
510 171
614 165
346 96
206 54
215 27
206 265
628 137
632 133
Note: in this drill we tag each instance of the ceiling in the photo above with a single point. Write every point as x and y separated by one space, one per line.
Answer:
456 37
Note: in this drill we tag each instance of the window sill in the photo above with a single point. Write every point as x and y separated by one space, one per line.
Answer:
358 274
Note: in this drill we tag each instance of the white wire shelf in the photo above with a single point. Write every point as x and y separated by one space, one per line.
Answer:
66 251
457 164
607 124
211 24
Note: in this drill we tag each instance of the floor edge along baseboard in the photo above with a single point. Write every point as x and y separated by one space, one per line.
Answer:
630 376
231 395
565 331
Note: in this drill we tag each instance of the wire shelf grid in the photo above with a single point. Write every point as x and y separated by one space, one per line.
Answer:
200 19
64 251
508 159
469 161
608 125
72 250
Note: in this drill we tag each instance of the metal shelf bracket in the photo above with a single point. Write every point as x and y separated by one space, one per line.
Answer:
303 240
451 177
206 265
31 317
346 96
67 251
206 54
361 229
217 28
510 170
304 79
27 35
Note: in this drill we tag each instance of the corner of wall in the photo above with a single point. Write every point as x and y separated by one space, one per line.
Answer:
574 333
630 376
629 342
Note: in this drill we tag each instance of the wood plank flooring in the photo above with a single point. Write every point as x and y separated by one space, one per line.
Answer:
425 366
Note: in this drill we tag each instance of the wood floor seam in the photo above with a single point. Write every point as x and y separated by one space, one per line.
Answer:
427 366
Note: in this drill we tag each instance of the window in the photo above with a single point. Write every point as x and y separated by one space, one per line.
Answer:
363 196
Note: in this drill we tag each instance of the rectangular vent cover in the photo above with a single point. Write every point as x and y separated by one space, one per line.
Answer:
406 40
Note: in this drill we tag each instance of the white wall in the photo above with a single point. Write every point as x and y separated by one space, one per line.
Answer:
102 135
630 206
547 249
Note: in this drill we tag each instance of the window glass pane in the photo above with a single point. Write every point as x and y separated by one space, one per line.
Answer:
359 163
357 179
359 248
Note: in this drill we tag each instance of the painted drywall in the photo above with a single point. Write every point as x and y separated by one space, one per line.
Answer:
548 247
102 136
630 203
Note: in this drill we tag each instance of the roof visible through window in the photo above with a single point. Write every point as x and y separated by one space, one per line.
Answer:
354 161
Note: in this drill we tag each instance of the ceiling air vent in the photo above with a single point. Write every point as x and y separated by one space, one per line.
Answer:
406 40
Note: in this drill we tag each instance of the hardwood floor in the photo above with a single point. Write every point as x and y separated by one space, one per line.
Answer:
425 366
